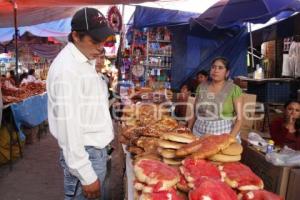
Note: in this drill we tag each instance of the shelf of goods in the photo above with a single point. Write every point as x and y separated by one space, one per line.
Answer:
159 52
152 49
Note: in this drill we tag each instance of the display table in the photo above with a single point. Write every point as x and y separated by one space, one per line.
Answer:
30 112
293 192
275 178
129 175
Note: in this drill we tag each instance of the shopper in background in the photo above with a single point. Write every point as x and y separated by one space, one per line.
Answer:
181 101
218 106
202 77
23 78
100 68
31 76
78 111
285 130
10 81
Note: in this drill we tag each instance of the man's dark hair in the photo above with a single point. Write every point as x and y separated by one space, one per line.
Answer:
81 34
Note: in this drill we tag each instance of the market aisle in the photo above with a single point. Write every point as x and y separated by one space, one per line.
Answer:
37 176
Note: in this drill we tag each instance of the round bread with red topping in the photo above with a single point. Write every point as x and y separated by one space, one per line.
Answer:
153 172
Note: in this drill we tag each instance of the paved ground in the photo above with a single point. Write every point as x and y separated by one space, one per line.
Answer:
38 175
35 177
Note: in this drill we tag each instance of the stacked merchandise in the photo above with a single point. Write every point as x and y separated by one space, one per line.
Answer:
14 94
171 163
150 56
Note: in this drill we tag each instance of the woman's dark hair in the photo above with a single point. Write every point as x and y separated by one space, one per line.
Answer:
31 72
297 123
22 76
81 34
223 60
289 102
203 72
188 85
12 73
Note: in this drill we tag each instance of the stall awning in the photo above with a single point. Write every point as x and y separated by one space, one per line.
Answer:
57 28
150 17
32 12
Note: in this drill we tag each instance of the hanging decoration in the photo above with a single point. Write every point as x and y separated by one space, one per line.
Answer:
115 19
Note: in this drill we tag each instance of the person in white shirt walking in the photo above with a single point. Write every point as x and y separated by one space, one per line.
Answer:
78 111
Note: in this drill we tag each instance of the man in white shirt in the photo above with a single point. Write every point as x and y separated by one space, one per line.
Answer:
78 111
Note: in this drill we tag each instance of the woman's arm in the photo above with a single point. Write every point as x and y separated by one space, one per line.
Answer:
238 108
191 122
193 119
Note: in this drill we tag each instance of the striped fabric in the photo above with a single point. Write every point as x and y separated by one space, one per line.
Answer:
215 127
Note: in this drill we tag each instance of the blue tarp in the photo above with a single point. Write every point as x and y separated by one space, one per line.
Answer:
30 112
224 14
153 17
193 47
56 28
193 53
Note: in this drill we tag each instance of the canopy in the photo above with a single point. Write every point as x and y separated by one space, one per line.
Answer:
194 47
149 17
57 28
32 12
192 53
226 13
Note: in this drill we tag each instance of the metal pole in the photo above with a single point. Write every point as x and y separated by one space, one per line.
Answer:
16 40
251 45
119 54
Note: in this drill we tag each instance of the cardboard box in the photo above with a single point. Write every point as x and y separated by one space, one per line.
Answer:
249 104
241 82
275 178
293 192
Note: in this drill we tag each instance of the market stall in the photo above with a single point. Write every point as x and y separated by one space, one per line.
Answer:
30 112
163 159
23 107
187 40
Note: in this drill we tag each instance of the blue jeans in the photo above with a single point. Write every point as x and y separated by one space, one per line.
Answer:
72 185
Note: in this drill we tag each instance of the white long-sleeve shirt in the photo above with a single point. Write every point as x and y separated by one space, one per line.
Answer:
291 61
78 111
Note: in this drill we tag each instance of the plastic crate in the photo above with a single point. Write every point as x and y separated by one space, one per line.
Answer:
270 92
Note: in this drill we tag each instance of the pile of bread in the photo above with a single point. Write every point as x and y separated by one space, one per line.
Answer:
147 94
217 148
145 139
171 163
197 179
16 94
174 163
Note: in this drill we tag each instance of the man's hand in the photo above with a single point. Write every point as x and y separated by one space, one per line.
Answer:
92 191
